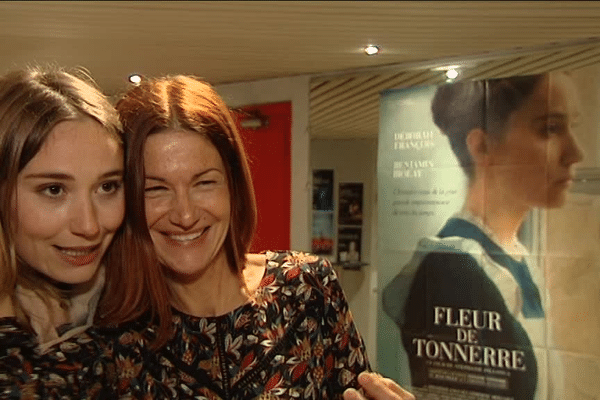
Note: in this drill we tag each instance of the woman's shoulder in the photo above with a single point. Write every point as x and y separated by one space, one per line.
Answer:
451 244
301 268
285 266
290 259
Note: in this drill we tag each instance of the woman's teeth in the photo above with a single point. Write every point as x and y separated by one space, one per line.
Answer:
78 252
79 256
188 237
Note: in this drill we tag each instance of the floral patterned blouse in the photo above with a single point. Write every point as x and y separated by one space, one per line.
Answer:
295 339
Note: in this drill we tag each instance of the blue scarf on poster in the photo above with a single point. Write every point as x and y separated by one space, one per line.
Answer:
532 305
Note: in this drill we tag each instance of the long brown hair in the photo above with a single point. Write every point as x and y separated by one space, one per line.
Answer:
181 103
32 102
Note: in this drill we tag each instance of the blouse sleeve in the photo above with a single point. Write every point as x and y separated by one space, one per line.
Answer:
345 356
76 368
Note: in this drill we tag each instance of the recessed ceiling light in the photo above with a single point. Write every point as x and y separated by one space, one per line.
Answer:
135 78
447 67
451 74
372 49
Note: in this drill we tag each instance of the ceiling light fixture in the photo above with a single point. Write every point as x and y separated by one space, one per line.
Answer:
447 67
451 71
135 78
451 74
254 119
372 49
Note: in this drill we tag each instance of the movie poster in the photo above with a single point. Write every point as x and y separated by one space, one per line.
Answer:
322 232
323 238
351 204
483 268
323 189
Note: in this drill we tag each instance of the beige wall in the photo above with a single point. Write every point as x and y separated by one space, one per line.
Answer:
356 161
571 256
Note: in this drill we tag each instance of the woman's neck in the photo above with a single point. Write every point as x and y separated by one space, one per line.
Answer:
49 308
216 291
501 216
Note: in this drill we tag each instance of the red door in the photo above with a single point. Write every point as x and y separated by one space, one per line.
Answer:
268 148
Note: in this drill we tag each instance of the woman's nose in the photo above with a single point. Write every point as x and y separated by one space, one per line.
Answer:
572 152
85 219
183 212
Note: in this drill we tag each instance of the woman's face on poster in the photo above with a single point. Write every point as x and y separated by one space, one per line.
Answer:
533 163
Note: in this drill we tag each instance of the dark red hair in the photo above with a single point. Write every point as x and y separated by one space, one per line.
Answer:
135 281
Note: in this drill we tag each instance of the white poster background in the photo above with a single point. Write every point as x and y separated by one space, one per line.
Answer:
420 186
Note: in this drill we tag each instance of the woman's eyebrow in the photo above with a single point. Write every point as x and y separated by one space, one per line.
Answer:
51 175
196 176
199 174
555 115
110 174
62 176
154 178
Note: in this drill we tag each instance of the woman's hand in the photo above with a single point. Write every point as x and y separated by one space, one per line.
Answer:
377 387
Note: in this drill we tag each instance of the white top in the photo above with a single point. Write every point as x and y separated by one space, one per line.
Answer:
82 308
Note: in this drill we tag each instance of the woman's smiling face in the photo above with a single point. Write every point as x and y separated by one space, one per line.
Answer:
69 202
533 162
187 201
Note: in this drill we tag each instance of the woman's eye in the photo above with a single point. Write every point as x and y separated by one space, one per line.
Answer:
551 128
111 186
153 189
52 190
206 182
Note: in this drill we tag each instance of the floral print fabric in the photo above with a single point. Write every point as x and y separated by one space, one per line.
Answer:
295 339
85 366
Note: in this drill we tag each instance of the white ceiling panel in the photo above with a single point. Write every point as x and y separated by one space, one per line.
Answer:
235 41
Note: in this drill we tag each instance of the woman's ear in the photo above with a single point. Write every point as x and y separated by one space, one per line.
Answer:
477 145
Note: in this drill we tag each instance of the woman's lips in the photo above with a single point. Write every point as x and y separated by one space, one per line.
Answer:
79 256
181 239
